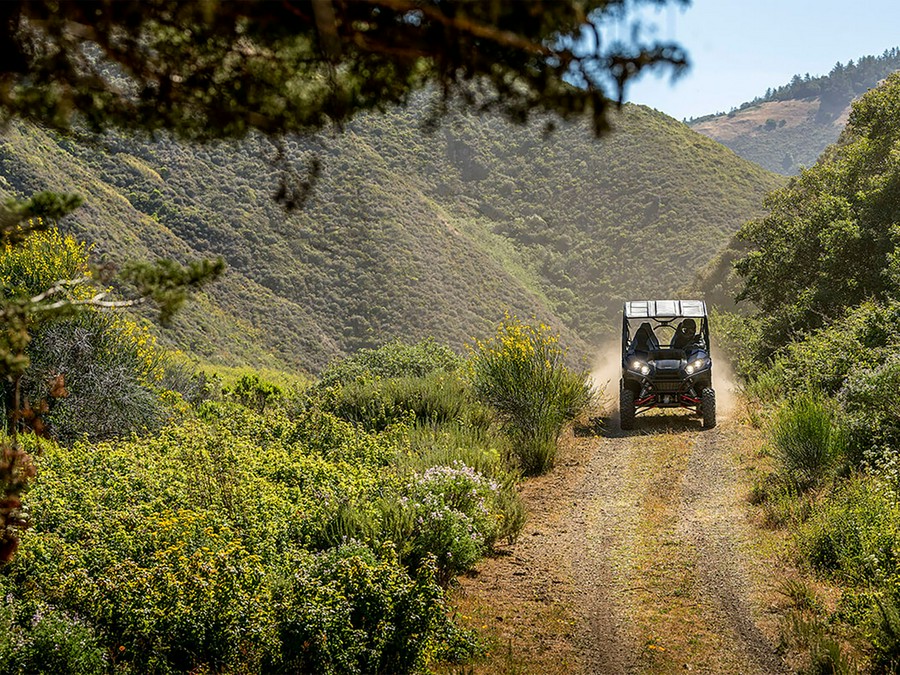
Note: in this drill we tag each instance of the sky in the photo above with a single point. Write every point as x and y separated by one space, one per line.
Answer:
740 48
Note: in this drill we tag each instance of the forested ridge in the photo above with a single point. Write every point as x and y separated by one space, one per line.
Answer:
790 125
405 233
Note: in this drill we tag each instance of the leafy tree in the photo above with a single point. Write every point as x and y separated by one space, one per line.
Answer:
218 69
831 239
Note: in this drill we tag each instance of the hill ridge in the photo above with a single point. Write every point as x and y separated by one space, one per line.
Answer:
405 234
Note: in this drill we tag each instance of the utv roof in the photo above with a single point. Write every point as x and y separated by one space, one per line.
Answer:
651 309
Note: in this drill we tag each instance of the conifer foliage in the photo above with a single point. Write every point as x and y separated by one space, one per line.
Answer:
218 69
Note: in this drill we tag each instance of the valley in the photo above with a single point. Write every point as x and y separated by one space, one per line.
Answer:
405 233
301 351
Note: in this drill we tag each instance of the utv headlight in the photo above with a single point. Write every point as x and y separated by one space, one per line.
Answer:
694 366
640 367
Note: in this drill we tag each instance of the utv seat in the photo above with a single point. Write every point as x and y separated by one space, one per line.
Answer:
645 339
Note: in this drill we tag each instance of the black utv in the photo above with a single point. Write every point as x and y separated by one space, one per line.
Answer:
665 359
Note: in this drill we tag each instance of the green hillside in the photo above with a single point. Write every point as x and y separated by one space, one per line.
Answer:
406 234
789 126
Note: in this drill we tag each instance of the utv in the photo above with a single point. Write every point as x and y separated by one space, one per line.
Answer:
665 359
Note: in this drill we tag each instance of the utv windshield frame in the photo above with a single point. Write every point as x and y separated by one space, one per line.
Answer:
666 315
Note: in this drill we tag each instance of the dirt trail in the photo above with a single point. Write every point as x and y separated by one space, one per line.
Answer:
637 558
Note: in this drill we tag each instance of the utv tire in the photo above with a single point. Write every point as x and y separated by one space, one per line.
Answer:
708 407
626 409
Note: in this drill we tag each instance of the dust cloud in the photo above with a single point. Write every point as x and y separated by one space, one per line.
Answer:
725 384
606 370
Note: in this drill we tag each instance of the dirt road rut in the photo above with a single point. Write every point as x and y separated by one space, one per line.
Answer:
637 558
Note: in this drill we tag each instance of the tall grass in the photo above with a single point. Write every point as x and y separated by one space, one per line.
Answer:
808 443
521 373
439 397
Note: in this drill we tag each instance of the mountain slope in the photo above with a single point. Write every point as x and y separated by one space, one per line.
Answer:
791 125
780 136
406 234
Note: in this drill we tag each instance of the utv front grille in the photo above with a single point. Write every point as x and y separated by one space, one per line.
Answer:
667 387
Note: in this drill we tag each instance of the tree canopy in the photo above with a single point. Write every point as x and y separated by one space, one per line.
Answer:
214 69
832 239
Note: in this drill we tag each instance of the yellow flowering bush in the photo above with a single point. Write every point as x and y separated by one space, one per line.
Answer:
111 364
203 549
521 373
42 260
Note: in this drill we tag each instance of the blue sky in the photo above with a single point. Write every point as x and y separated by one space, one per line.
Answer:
739 48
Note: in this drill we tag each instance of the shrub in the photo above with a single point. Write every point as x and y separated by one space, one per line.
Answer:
855 534
112 369
521 373
111 365
824 358
44 258
455 516
452 445
254 393
807 441
436 398
395 359
445 444
868 401
169 592
38 638
350 611
854 538
886 637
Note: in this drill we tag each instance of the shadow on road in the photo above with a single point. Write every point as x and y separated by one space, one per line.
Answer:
652 424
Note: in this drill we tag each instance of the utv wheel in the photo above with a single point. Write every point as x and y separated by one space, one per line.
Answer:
626 409
708 407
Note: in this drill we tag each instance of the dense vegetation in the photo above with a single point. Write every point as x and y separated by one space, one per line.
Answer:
405 234
185 524
822 348
789 126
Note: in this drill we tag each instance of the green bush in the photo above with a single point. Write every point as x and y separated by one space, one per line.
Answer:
352 611
886 633
855 535
443 444
253 392
807 441
869 403
455 516
820 360
521 373
436 398
453 445
38 638
854 538
393 360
